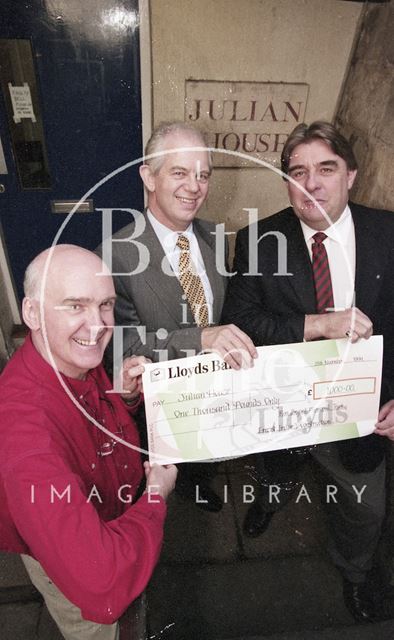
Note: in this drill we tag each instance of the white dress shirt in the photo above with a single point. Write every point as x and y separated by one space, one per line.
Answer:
168 240
340 245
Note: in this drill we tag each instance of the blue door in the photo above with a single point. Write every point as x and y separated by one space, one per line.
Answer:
70 114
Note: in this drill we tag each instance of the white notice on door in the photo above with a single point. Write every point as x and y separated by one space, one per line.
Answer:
21 102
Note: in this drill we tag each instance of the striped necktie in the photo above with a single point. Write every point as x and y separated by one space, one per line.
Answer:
321 274
191 283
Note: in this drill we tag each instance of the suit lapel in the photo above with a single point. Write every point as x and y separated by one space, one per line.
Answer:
206 242
166 287
299 264
370 260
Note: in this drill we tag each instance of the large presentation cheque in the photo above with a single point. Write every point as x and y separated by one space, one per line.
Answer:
295 395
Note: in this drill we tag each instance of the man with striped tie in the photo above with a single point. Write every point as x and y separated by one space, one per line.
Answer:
333 280
170 276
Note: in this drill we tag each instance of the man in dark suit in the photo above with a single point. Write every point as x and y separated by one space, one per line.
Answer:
172 289
281 294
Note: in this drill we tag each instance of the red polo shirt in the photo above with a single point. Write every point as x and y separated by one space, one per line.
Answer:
61 501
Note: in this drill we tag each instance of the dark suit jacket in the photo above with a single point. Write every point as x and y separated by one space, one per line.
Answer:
152 300
271 308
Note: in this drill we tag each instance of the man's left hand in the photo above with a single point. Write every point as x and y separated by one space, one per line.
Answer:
132 370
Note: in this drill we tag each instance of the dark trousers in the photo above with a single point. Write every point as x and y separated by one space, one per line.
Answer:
196 473
354 519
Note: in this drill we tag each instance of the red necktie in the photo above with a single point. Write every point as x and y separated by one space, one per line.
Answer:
321 274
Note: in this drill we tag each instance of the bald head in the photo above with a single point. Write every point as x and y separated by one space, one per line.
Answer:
54 262
68 306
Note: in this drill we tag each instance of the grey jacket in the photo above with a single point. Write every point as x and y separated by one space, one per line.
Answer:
151 301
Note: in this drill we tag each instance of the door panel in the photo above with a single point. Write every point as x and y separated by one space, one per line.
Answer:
86 63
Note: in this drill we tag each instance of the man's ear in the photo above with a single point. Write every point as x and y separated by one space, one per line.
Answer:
351 176
148 177
31 313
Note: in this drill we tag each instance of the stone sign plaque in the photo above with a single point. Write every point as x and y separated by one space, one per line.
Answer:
251 118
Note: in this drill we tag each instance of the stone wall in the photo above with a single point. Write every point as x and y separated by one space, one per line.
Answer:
256 41
366 110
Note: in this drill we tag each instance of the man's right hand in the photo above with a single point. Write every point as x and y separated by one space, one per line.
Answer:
385 424
232 344
351 323
160 480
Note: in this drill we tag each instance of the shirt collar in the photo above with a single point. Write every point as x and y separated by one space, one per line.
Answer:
168 237
339 231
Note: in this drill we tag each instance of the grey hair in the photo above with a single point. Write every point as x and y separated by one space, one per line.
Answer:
156 142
